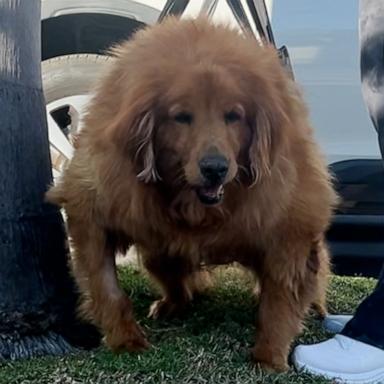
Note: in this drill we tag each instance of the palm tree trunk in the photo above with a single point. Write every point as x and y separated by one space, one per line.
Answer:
37 297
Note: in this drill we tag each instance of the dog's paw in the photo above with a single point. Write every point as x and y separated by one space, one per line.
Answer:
129 338
164 308
272 368
319 311
269 363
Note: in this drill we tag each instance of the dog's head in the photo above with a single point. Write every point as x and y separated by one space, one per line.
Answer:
204 121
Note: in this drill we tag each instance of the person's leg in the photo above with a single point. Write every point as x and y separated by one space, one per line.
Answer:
367 325
357 354
336 323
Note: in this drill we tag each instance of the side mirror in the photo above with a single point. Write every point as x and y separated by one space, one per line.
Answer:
286 61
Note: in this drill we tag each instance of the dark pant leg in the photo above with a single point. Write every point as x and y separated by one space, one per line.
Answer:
368 323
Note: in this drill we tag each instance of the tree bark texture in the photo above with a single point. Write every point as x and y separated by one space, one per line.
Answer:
37 295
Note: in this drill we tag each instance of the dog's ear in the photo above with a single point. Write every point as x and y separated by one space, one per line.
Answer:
272 103
264 143
133 131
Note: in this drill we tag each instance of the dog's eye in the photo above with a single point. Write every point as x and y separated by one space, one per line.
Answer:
232 117
183 118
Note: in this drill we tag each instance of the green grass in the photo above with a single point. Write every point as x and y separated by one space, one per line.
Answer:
209 344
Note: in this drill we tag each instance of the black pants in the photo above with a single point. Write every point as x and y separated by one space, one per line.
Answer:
368 323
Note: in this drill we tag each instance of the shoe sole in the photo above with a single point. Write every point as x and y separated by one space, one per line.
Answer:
371 377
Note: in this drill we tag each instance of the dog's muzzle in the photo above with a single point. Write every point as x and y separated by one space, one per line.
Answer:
213 169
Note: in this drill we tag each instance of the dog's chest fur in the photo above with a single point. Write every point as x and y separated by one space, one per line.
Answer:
211 246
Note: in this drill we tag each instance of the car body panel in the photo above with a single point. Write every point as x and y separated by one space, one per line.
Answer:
322 39
144 11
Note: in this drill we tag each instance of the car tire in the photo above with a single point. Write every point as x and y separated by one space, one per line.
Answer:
70 75
65 78
76 75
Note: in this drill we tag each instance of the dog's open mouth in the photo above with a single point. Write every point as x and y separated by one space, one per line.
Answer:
210 195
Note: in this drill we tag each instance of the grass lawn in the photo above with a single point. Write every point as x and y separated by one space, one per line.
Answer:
208 345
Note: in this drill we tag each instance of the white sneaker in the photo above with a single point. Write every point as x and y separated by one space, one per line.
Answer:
342 359
336 323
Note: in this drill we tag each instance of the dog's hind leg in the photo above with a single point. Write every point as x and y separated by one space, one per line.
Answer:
103 301
179 278
319 306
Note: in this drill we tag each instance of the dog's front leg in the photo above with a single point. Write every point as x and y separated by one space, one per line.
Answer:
103 301
291 281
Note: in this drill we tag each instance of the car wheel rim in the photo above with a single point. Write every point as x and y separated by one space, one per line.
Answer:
64 123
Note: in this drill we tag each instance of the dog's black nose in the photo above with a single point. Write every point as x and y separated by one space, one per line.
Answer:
214 168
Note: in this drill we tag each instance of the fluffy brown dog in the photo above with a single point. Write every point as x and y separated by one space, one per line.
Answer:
197 149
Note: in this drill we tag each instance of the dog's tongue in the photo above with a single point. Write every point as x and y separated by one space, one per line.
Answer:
212 191
211 195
